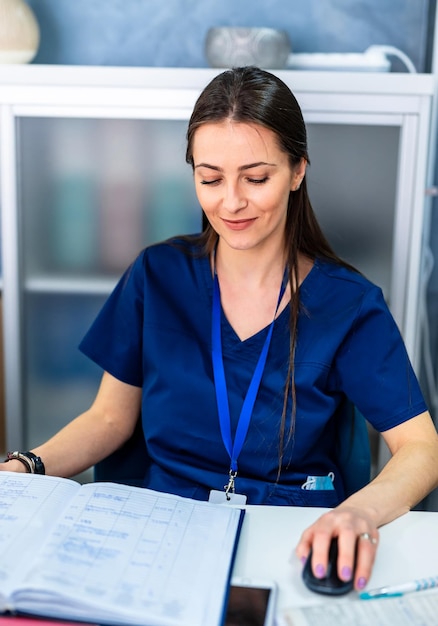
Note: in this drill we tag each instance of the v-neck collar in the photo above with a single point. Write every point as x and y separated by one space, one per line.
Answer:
230 338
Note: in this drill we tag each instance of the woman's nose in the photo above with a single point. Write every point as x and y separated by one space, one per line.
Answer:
234 198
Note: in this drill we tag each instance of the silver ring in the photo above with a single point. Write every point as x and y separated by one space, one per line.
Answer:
368 537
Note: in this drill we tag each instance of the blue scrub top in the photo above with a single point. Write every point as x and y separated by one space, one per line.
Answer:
154 332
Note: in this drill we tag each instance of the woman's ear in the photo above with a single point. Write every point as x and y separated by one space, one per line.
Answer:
299 174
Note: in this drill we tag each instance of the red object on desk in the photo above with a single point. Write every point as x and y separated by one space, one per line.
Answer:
18 620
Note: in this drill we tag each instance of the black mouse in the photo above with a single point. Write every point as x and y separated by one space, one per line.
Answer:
331 584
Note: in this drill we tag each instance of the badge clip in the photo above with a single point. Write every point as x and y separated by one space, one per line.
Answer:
230 488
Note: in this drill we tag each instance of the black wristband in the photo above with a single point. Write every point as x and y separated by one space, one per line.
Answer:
38 464
31 461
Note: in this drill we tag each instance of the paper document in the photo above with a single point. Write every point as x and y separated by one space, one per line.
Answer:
418 609
109 553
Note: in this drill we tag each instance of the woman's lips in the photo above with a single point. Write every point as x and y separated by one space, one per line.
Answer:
239 224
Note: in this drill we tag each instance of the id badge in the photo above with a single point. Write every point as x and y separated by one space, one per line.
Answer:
220 497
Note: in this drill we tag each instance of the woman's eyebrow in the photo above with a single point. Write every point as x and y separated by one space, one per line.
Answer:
211 167
241 168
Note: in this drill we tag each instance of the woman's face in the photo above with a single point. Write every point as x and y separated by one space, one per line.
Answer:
243 180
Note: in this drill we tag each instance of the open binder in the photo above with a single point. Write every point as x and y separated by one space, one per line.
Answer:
113 554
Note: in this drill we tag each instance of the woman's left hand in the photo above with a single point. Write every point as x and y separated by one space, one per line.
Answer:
357 543
410 474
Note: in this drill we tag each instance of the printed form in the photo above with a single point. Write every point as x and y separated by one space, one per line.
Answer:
21 529
135 550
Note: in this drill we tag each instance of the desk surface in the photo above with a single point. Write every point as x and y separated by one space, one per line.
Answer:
408 550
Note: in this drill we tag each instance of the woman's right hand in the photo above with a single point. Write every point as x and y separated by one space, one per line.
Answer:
13 466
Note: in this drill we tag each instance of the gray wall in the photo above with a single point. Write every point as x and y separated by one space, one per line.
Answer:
172 32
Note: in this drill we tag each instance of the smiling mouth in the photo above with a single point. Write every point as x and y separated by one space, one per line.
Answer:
239 224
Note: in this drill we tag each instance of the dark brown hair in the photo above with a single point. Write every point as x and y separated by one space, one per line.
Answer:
252 95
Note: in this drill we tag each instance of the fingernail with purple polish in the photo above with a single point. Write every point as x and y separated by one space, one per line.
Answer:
303 560
346 573
361 582
320 570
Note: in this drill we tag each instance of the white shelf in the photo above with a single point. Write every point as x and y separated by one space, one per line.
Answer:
43 76
48 88
67 285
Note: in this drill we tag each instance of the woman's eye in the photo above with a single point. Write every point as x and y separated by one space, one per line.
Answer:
209 182
258 181
254 181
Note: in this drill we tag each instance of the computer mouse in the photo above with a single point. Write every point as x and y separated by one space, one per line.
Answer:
331 584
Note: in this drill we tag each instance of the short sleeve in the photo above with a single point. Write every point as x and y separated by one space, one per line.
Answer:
115 339
374 369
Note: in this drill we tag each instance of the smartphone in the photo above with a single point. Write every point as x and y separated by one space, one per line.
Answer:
251 602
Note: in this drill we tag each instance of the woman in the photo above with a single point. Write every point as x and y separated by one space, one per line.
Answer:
238 346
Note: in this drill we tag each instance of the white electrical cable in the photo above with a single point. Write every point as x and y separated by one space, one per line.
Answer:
392 51
373 59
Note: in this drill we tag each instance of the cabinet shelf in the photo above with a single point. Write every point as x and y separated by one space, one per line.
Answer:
68 285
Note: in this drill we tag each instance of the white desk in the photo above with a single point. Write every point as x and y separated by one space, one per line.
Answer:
408 550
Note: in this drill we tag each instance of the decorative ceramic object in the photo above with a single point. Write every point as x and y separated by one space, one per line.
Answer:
19 32
229 46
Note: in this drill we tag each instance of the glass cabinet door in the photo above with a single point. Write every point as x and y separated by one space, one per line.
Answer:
352 181
93 193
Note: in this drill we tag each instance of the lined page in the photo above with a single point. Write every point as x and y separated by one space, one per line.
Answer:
143 556
29 505
416 608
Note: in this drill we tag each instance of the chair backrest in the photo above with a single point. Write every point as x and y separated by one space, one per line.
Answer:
353 448
129 463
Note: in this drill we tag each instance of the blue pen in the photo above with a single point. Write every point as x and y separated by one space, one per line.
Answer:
399 590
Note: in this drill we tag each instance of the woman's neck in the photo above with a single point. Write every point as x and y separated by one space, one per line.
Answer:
254 267
250 285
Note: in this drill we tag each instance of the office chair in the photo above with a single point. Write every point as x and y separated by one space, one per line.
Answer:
353 448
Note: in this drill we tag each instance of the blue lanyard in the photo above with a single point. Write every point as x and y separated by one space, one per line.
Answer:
234 448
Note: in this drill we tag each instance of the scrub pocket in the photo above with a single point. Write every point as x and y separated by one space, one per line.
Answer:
295 496
315 491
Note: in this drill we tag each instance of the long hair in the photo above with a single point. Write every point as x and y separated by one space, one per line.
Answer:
252 95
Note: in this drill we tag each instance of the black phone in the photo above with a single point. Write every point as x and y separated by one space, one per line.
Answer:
251 602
